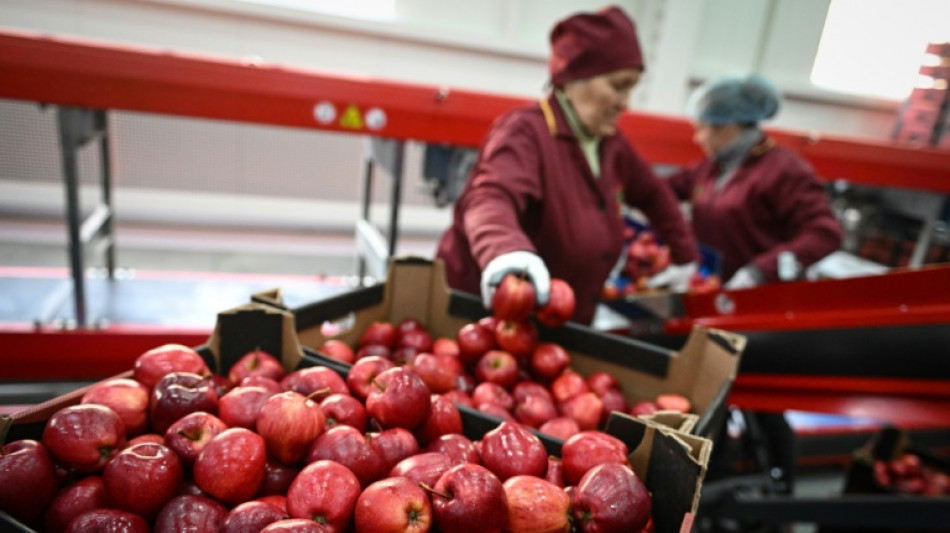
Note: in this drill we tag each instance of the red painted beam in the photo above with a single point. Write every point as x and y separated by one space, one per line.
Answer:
76 72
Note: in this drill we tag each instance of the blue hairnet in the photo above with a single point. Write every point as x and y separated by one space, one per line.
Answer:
734 100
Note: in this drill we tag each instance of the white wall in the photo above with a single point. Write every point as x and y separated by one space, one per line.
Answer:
491 45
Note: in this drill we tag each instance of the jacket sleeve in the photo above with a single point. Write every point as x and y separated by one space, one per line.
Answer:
505 185
801 204
646 191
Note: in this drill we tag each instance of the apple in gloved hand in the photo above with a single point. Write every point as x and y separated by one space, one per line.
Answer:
514 298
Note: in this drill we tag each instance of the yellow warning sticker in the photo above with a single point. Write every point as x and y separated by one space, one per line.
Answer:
351 118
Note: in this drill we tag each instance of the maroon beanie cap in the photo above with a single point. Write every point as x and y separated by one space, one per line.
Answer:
588 44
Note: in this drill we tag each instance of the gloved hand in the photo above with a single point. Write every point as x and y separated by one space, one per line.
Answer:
744 278
674 277
516 263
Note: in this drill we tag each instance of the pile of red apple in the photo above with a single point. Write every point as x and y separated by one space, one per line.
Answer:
906 475
175 448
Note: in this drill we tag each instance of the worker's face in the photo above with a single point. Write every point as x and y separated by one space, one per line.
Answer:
600 100
713 138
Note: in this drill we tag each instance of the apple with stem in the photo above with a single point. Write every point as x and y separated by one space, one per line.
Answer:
344 409
517 337
178 393
425 467
497 366
511 449
349 447
251 517
289 422
326 493
399 398
588 449
469 498
240 406
363 372
191 433
458 447
256 362
84 437
315 379
393 505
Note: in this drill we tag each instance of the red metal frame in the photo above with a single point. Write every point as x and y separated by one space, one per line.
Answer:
84 73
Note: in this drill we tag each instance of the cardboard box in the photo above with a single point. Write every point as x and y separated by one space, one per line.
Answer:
703 370
671 464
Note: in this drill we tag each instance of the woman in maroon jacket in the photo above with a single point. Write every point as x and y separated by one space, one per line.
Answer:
759 204
546 193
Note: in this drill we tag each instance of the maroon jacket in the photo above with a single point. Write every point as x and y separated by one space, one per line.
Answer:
531 189
773 202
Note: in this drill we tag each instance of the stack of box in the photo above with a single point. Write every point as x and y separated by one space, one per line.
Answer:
923 118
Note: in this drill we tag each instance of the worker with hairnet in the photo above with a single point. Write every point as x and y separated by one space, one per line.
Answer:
545 195
757 203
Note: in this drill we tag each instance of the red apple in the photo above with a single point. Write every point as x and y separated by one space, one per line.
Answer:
393 445
127 397
526 388
586 408
325 492
560 306
517 337
191 433
296 525
277 478
84 437
497 366
444 418
548 360
379 332
277 500
445 346
191 512
409 324
85 495
588 449
240 406
315 379
673 402
496 411
145 437
107 521
393 505
643 408
152 365
474 340
535 504
568 385
534 410
232 466
338 350
459 398
439 372
257 362
420 339
374 350
344 409
269 384
27 479
349 447
610 497
458 447
489 392
600 382
510 450
514 298
612 400
404 356
141 479
469 499
399 398
251 517
289 422
180 393
562 427
425 467
363 372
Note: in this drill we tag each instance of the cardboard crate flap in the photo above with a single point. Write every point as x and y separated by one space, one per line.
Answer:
254 326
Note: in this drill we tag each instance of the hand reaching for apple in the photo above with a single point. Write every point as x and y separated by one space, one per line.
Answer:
527 265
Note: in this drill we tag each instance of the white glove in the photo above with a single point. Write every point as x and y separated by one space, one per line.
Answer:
674 277
516 263
744 278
